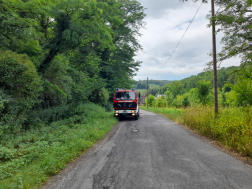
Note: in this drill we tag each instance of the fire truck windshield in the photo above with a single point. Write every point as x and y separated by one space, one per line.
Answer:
125 96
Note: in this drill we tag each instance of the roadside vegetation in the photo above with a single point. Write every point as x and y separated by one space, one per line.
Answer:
193 96
30 157
190 102
60 62
232 127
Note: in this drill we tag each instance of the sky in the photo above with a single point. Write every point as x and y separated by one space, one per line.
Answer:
166 21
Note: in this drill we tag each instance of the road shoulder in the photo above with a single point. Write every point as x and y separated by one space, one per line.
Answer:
88 153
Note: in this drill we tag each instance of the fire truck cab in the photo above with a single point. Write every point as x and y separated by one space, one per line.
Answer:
126 103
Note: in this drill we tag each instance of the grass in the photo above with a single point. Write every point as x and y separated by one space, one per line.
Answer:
232 127
171 113
29 159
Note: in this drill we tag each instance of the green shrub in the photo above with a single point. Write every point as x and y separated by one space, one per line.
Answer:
44 150
20 87
6 153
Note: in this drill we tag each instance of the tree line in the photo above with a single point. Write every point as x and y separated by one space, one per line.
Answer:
142 84
56 55
234 89
233 18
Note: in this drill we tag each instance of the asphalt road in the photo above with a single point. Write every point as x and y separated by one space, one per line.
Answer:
156 153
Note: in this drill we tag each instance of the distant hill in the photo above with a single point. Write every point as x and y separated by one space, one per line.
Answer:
160 86
223 75
142 84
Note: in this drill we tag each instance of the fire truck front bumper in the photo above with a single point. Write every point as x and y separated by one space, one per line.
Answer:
118 113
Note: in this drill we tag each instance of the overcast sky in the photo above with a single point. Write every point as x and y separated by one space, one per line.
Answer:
166 22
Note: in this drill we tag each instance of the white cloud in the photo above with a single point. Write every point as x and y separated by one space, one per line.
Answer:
166 22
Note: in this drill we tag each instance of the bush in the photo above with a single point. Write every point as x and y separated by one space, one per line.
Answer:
44 150
151 100
20 87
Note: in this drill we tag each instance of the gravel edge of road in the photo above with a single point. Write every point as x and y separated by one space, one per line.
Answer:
86 154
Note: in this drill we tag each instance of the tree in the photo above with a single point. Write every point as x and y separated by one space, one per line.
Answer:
160 102
243 89
185 101
77 23
20 87
177 102
118 65
151 100
234 19
203 90
169 98
176 88
59 54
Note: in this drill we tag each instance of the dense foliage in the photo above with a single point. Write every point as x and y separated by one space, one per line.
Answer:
28 159
60 61
234 89
234 19
57 54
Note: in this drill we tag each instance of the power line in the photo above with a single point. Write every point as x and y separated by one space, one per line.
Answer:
180 39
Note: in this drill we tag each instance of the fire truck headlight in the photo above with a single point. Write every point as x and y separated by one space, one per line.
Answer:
133 113
116 112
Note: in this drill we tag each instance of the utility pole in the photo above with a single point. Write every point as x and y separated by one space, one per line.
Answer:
147 93
214 62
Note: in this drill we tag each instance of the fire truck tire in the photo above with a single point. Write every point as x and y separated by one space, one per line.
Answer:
136 117
120 118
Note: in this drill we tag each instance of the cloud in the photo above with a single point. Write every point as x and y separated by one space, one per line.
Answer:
166 22
157 8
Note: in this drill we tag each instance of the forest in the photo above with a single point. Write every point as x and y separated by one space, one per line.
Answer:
60 63
234 89
56 55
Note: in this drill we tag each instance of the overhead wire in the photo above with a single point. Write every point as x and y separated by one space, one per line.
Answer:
180 39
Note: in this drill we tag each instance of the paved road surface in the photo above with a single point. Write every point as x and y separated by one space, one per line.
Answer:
155 153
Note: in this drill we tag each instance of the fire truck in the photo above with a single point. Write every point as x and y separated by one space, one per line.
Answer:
126 103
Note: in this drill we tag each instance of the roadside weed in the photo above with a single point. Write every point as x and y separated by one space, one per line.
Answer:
29 158
232 127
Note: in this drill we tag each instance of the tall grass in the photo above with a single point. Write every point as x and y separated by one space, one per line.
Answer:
28 159
232 127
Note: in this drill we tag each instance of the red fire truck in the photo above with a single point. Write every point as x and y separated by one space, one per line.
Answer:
126 103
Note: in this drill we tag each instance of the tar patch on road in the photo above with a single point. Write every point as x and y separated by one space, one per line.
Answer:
133 128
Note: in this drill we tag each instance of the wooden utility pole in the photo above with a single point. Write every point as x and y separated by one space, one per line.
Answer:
147 93
214 62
